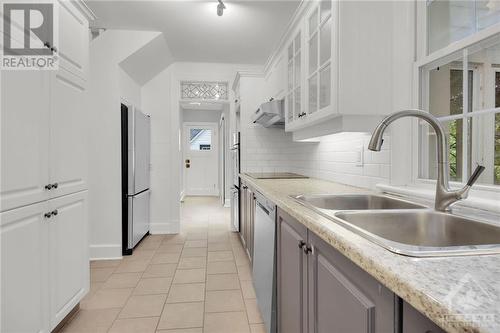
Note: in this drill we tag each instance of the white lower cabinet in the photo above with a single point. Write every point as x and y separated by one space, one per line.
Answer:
45 265
68 254
24 269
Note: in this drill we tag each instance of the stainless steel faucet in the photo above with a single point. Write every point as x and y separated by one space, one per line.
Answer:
445 197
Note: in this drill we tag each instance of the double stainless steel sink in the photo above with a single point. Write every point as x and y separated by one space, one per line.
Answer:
405 227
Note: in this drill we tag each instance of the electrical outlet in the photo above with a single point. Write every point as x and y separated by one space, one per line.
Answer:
360 150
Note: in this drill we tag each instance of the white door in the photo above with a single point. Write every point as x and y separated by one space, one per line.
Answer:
68 132
201 159
24 269
68 254
24 138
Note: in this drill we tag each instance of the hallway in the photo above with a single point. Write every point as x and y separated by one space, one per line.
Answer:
194 282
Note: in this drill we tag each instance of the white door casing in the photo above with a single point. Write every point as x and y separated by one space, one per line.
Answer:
201 176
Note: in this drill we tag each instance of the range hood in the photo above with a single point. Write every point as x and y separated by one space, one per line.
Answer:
270 114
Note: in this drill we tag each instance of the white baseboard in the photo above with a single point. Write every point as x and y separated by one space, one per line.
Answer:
105 251
157 228
227 203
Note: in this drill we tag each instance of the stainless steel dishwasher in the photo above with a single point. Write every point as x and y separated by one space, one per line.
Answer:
264 260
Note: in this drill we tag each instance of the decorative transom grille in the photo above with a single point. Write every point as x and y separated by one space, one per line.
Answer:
204 90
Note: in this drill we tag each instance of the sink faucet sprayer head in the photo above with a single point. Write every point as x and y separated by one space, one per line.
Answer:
376 141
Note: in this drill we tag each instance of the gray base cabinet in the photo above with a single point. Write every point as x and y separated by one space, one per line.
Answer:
320 290
291 275
342 297
415 322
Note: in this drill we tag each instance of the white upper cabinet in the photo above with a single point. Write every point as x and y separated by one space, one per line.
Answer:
339 68
68 130
294 93
73 39
24 138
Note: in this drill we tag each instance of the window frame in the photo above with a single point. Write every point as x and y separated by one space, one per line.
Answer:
443 55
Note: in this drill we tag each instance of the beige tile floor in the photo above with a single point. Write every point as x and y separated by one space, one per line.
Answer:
194 282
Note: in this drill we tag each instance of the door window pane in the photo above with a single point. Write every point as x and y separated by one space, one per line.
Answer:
200 139
313 93
289 105
313 54
297 70
297 43
326 9
324 87
326 41
297 108
290 75
313 22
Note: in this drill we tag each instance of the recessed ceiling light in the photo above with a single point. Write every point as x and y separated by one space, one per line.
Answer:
220 8
195 103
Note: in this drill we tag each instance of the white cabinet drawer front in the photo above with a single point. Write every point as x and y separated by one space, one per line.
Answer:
24 269
68 132
73 39
24 138
68 253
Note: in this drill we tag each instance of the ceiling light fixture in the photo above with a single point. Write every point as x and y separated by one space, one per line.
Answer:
220 8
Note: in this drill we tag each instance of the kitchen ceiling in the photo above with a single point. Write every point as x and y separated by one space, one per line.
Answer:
246 33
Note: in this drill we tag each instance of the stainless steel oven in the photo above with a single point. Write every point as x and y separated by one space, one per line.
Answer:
235 188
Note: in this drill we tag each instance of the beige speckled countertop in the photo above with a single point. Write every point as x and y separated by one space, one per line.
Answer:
460 294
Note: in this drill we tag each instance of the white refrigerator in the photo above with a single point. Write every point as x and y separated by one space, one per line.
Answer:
136 149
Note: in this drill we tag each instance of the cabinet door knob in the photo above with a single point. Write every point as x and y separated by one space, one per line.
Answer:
55 185
47 215
301 244
307 249
48 186
55 212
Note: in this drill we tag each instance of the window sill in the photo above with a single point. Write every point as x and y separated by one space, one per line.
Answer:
474 201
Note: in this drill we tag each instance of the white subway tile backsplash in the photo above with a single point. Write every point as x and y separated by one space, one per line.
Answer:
335 157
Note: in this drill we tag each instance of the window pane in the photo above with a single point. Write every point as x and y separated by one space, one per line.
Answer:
326 41
324 87
313 93
200 139
446 90
297 108
485 147
313 54
487 13
290 52
313 22
326 9
497 131
449 21
297 70
428 146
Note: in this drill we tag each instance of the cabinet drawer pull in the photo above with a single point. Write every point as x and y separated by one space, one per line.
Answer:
301 244
55 212
55 185
47 215
307 249
48 186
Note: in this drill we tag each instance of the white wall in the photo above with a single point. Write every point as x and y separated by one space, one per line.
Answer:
212 116
130 91
106 87
160 97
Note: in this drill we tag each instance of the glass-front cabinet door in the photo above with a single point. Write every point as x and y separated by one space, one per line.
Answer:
319 55
294 79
